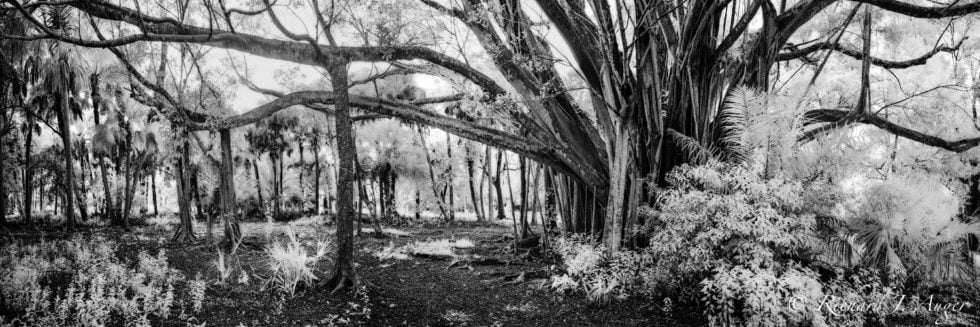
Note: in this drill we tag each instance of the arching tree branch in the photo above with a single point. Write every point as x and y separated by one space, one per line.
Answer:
526 146
917 11
157 29
856 54
836 117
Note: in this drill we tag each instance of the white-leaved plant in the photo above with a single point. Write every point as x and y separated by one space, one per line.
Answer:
291 265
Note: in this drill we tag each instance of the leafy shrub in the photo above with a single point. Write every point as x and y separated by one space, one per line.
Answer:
81 282
600 276
740 237
291 265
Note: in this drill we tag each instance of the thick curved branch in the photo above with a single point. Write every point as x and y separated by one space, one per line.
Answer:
155 29
836 116
525 146
917 11
570 20
884 63
740 27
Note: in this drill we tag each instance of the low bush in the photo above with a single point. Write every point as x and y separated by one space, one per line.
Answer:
747 249
291 265
82 283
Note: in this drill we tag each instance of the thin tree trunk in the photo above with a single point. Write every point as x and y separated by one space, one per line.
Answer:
153 185
524 196
258 183
96 111
316 181
282 171
418 203
473 196
302 187
451 177
28 170
513 207
360 195
432 177
275 186
488 180
496 184
3 189
64 126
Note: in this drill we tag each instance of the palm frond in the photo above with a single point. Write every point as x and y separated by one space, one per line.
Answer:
696 153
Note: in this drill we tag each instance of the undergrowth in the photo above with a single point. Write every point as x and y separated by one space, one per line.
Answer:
81 282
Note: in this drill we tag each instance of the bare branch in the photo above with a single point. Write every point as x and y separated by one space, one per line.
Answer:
890 64
836 116
740 27
917 11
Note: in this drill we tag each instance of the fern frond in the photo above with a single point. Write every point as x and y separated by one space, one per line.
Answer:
696 153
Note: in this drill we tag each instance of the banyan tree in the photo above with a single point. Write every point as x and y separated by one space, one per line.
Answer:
657 75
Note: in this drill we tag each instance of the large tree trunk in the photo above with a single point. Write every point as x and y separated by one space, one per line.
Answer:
232 233
185 231
344 276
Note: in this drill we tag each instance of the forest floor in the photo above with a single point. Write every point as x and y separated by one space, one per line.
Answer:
410 291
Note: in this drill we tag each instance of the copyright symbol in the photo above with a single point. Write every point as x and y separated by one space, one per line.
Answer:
797 303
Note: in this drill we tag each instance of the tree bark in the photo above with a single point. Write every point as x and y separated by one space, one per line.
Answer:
96 87
185 231
477 206
451 176
64 125
28 169
232 231
3 184
153 185
302 187
344 276
258 183
275 186
432 177
317 201
196 193
496 185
